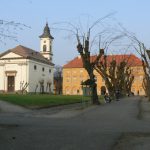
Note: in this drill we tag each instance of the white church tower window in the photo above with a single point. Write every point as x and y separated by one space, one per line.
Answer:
44 48
46 41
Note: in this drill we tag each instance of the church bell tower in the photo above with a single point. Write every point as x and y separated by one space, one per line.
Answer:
46 41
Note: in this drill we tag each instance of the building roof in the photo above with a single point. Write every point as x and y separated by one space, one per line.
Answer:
27 53
46 33
131 59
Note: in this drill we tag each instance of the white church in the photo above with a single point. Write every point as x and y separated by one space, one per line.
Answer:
25 70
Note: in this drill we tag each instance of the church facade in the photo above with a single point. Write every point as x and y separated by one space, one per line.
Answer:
25 70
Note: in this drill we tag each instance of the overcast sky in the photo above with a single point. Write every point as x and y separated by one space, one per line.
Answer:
133 14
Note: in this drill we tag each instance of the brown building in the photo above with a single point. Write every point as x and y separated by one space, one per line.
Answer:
74 74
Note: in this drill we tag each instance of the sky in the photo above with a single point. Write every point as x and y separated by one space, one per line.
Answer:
134 15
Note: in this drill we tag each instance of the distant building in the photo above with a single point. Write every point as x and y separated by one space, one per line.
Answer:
74 74
22 68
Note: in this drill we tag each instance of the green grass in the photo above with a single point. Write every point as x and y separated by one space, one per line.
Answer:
45 100
38 101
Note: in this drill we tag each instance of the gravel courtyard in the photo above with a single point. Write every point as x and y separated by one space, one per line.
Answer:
120 125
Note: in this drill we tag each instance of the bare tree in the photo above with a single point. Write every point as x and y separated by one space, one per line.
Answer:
58 79
48 86
41 82
84 47
146 80
84 51
9 30
86 40
142 51
117 75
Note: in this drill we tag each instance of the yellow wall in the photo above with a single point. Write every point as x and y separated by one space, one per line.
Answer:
72 78
138 80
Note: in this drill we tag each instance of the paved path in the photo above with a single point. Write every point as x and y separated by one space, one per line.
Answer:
10 108
94 128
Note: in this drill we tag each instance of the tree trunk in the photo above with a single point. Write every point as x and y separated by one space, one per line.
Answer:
94 96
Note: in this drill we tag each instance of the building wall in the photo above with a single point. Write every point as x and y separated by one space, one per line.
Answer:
137 86
19 66
38 74
11 55
72 78
25 73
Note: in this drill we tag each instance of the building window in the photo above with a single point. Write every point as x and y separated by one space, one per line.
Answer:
67 80
74 79
44 48
81 75
43 69
35 67
67 75
44 41
49 70
74 75
139 69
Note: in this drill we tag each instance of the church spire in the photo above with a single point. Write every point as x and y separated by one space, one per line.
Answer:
46 32
46 41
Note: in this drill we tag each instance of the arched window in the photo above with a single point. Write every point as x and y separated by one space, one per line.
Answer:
44 48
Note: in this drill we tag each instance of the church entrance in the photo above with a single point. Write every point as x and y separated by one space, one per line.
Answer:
10 83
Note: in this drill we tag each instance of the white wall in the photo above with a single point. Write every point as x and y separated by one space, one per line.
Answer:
11 55
48 43
25 73
36 75
20 66
2 79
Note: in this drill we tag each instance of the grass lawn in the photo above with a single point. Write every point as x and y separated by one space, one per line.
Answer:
39 101
33 101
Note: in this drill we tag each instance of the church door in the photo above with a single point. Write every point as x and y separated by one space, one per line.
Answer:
11 84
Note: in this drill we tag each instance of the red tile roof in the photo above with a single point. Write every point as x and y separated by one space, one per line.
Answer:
131 59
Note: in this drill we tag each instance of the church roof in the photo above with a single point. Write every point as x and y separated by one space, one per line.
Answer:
132 60
46 33
27 53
